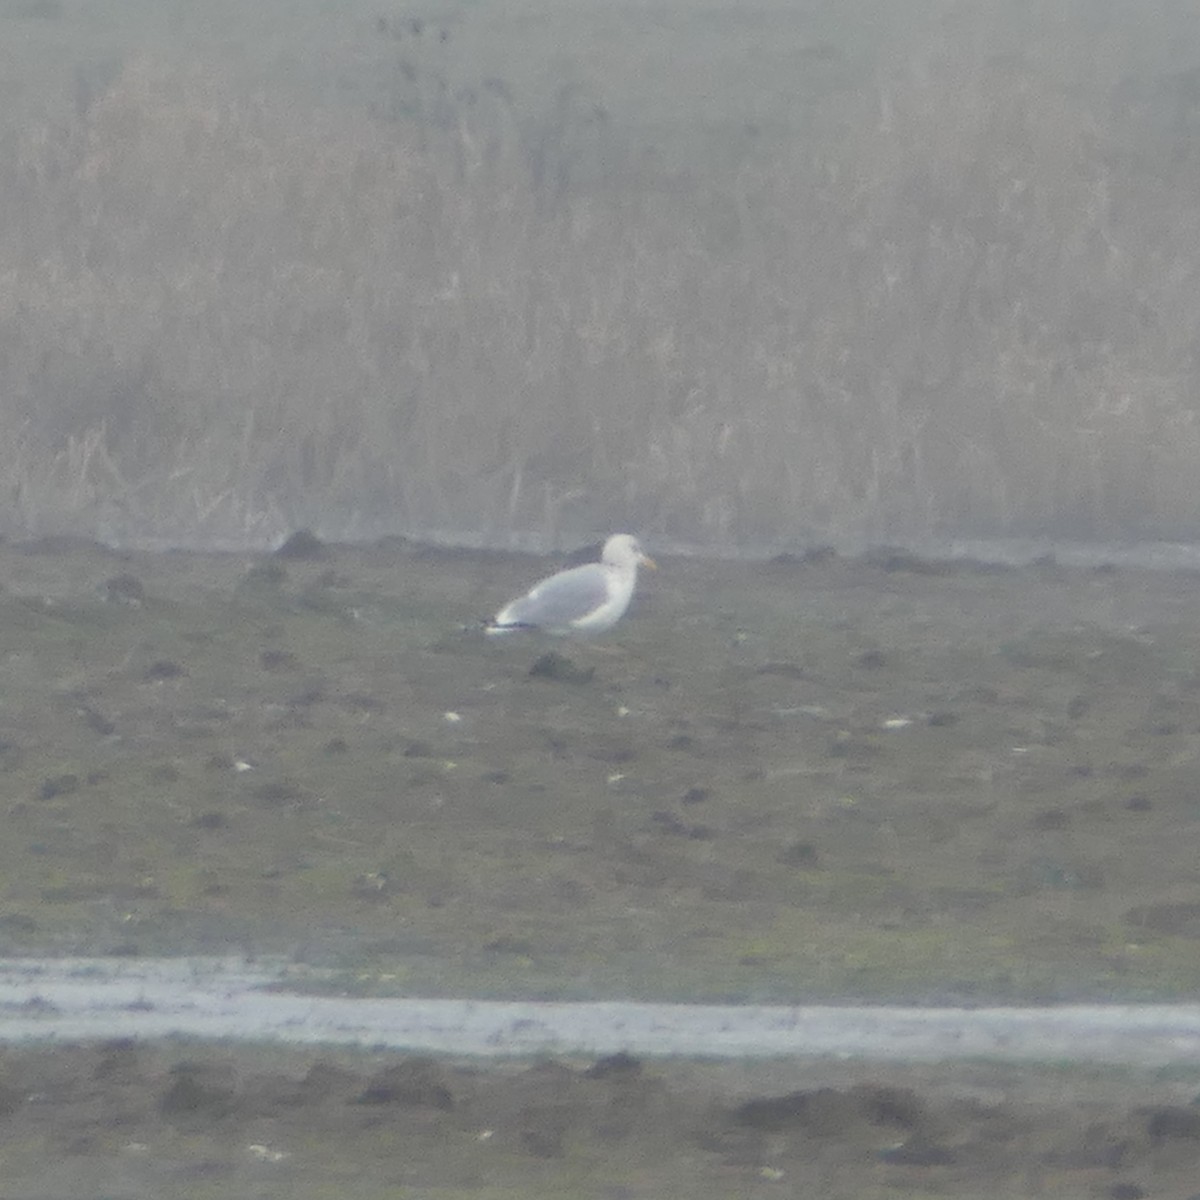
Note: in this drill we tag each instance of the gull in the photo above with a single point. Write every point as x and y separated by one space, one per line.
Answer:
583 600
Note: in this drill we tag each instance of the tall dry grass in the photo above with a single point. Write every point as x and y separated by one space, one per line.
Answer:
960 299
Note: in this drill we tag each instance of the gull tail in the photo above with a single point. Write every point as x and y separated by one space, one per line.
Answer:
495 628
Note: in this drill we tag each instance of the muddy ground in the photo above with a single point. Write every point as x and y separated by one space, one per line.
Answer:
121 1120
786 781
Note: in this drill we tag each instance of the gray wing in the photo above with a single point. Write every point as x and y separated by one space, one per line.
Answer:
556 602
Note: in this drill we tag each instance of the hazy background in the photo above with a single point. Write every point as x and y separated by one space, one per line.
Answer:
724 273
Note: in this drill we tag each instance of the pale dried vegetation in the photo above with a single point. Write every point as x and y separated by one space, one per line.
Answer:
963 299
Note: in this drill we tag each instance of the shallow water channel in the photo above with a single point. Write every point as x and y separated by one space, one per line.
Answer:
233 999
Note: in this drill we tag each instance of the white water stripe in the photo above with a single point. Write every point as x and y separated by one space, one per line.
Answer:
91 999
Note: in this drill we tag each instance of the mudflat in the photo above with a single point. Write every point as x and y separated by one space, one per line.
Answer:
135 1121
799 780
